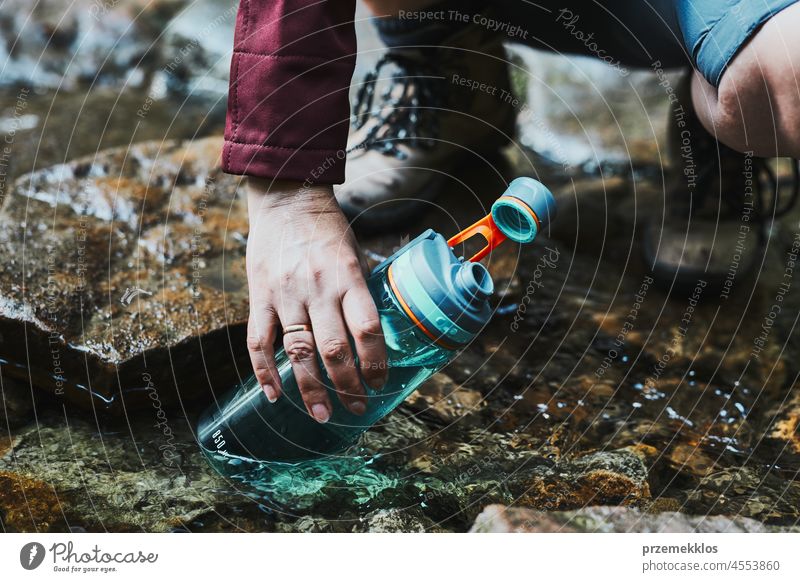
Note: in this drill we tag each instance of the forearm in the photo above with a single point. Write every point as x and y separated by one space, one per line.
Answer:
288 106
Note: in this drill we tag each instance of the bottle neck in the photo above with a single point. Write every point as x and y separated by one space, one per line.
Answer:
428 333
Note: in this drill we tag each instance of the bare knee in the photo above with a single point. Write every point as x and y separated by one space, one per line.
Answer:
757 105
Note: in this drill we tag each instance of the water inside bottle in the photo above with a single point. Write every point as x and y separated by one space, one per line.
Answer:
301 450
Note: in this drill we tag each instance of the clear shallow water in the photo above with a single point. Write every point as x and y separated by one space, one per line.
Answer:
294 487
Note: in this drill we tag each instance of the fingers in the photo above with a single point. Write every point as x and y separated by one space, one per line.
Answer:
362 320
261 332
302 353
337 356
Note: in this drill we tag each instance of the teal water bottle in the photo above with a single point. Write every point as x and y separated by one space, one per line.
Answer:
430 303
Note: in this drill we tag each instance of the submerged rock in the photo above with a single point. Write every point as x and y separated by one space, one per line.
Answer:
27 504
126 277
502 519
786 427
17 403
138 477
444 400
399 521
749 492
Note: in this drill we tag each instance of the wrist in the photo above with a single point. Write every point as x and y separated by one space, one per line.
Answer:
264 194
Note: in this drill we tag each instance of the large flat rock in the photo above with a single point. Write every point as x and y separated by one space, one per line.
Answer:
124 276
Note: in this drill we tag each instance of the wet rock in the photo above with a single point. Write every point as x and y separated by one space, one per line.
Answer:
502 519
613 477
445 400
749 492
399 521
17 403
692 460
196 54
27 504
500 471
127 276
119 478
308 524
786 426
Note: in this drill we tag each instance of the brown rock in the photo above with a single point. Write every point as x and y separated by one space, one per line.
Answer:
608 477
786 427
691 459
28 504
126 276
443 398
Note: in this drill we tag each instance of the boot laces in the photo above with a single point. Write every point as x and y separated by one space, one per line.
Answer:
407 108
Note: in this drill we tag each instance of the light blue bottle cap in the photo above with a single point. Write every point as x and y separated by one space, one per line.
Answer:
447 298
526 207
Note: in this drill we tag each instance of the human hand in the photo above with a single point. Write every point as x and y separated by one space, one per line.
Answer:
304 267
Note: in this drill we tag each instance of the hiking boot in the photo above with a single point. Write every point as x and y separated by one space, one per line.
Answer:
439 104
714 222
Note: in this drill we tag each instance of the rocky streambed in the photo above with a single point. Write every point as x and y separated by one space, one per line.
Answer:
595 401
122 302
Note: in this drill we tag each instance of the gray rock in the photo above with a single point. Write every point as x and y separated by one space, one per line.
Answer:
399 521
502 519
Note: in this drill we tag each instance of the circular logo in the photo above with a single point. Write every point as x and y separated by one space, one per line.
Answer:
31 555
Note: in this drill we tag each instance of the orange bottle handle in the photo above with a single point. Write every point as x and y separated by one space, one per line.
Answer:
484 227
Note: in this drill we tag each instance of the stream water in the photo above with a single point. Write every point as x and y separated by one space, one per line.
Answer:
591 385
